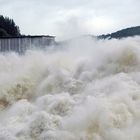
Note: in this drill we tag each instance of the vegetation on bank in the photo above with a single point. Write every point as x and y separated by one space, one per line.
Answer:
8 27
128 32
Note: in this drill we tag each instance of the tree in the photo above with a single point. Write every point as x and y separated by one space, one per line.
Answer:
8 27
128 32
3 33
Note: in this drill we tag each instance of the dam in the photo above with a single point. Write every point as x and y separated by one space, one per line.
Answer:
22 43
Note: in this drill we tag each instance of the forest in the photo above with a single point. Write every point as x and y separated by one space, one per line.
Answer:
8 28
128 32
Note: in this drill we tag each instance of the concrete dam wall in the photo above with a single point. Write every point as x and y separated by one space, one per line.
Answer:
23 43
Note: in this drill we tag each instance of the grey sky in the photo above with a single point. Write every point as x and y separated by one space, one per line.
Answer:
67 18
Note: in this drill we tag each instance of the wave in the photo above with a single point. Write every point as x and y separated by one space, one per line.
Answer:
88 90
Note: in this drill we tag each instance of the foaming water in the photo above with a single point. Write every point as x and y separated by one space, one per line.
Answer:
89 90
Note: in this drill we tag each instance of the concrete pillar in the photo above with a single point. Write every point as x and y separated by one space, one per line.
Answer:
0 45
9 45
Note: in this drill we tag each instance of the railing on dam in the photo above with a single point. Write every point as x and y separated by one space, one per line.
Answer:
23 43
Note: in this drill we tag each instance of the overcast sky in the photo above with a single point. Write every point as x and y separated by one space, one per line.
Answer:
67 18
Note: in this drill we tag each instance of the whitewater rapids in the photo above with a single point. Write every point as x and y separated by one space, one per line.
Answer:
88 90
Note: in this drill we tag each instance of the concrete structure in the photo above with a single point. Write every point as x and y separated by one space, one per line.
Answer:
23 43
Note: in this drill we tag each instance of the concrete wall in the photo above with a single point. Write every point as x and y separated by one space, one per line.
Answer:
21 44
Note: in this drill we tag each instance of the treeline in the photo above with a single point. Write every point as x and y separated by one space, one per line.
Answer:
128 32
8 27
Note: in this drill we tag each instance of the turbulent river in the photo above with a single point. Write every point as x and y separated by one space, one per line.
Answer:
89 90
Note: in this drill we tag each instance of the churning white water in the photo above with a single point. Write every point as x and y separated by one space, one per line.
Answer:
88 91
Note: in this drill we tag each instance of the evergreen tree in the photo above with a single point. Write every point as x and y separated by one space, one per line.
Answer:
128 32
8 27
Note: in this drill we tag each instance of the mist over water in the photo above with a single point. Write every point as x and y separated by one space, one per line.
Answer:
89 90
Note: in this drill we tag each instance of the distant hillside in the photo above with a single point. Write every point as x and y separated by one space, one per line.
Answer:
128 32
8 27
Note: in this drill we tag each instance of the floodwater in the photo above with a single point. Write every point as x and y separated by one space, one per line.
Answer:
88 90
